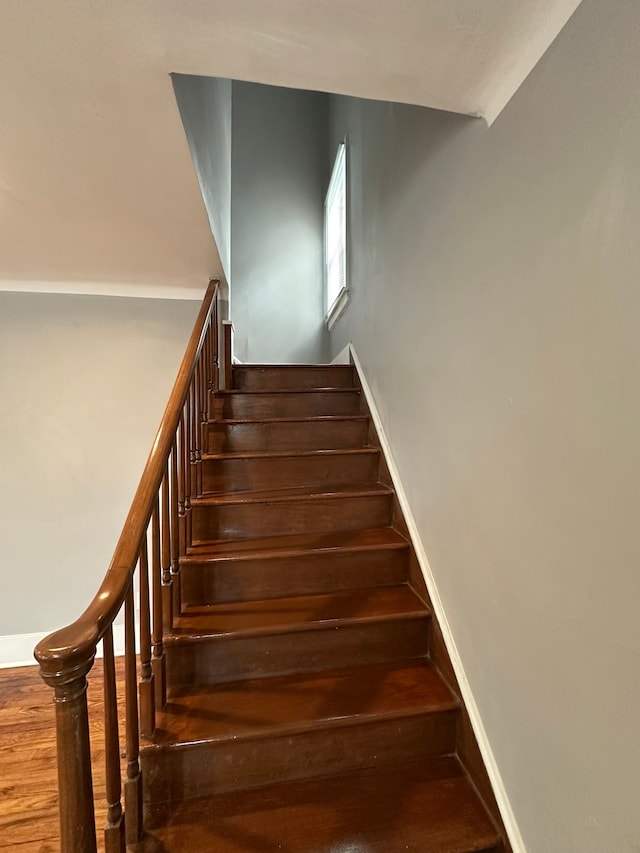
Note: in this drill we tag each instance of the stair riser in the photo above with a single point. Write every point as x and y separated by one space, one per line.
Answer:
212 768
213 661
232 475
275 378
290 435
318 515
275 577
305 405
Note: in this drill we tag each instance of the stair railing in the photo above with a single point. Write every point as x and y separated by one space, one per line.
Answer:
170 480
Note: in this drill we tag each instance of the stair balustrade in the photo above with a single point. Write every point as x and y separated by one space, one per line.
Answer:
152 541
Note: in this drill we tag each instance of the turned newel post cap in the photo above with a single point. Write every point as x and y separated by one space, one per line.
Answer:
67 655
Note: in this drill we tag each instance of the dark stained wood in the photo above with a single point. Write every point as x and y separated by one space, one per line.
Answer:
75 785
146 686
67 655
133 781
114 835
280 636
181 438
330 433
76 639
246 515
424 808
265 377
165 527
192 429
208 767
298 612
294 565
175 532
229 472
303 682
275 706
29 820
298 726
227 351
157 660
307 403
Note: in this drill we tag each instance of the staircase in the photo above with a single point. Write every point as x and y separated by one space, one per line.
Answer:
305 711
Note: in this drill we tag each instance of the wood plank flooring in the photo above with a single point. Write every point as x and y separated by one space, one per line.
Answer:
28 770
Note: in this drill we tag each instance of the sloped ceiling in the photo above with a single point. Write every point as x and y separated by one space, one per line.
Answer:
97 190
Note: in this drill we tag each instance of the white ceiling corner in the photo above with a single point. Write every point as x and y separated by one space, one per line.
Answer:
96 182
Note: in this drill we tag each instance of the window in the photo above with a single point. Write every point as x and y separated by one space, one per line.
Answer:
335 239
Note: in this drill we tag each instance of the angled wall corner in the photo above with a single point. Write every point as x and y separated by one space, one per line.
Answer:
279 175
205 109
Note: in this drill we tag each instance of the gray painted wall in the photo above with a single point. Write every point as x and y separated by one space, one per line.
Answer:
205 109
279 180
83 384
495 306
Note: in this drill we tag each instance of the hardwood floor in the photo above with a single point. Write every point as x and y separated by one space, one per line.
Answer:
28 775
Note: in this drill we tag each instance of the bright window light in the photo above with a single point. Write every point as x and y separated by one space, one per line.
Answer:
335 236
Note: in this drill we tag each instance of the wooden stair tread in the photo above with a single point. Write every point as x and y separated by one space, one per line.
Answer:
296 613
279 454
300 543
263 391
263 706
295 494
290 419
425 809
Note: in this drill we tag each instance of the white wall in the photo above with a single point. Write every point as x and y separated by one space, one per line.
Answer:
205 109
279 180
495 306
83 384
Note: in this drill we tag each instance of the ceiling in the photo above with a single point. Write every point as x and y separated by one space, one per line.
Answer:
97 191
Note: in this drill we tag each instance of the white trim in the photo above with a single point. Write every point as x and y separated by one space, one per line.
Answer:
101 288
17 649
499 789
340 303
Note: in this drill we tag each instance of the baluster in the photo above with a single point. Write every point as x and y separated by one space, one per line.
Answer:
145 688
157 662
114 840
197 426
207 368
206 382
193 430
227 329
202 423
216 348
188 468
133 782
182 487
214 365
176 604
167 597
75 787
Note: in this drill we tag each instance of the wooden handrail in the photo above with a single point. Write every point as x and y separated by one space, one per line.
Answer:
80 639
67 655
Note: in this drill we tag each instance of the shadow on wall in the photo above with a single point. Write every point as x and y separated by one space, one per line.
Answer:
260 153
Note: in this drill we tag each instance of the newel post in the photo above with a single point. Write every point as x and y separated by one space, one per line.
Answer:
68 678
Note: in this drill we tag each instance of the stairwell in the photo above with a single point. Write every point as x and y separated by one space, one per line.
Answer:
310 703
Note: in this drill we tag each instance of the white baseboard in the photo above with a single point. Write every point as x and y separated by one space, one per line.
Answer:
493 772
17 649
